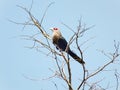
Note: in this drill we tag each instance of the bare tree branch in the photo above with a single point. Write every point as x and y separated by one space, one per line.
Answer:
117 80
64 70
113 58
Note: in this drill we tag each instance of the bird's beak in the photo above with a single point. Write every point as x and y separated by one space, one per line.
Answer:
51 29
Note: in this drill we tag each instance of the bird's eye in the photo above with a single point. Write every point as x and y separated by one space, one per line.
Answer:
55 28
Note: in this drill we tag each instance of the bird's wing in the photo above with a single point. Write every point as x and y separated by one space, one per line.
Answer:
62 43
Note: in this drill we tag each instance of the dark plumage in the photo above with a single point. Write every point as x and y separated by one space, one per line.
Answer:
61 44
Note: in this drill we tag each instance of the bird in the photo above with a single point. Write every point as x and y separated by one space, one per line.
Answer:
61 44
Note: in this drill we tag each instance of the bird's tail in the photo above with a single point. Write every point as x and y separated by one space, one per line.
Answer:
74 56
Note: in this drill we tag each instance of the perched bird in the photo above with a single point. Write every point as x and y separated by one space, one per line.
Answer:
61 44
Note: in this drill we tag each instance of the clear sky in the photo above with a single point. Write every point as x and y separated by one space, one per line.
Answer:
17 61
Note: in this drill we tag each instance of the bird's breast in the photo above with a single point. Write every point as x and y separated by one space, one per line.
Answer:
55 39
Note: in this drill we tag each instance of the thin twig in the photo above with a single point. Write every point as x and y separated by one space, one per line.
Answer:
46 12
117 81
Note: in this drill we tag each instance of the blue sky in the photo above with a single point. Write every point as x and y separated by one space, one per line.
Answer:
16 60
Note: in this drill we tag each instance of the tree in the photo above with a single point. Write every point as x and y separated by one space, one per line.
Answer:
63 61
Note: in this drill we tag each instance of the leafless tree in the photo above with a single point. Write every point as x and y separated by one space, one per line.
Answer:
64 71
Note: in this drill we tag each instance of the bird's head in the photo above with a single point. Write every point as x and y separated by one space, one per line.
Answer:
54 29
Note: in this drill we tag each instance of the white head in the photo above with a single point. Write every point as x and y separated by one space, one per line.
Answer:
56 31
